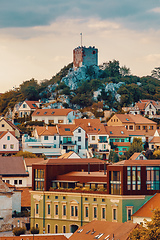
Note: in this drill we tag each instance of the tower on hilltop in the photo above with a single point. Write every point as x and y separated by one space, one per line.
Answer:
85 56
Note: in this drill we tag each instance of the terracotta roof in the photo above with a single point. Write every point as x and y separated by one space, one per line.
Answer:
30 161
4 188
25 196
140 105
91 126
154 162
12 166
52 112
71 161
36 237
122 144
11 124
3 133
90 230
46 131
147 209
66 129
137 119
155 140
32 104
117 131
136 155
68 155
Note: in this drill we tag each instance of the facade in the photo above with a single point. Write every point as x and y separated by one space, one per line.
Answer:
85 56
27 107
13 171
67 194
138 156
6 125
54 116
118 139
9 144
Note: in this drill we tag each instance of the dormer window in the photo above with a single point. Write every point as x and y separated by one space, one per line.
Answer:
45 112
38 113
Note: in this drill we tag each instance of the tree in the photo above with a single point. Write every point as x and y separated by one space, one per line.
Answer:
124 71
151 231
136 146
156 154
113 157
156 73
112 68
17 231
25 154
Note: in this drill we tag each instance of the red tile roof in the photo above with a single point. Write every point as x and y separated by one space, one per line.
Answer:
36 237
71 161
90 230
137 119
155 140
91 126
30 161
117 131
147 209
154 162
46 131
32 104
52 112
25 196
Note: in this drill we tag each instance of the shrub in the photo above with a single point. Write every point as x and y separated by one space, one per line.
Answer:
34 230
17 231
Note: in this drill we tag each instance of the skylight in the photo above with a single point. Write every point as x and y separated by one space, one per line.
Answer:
45 112
52 112
34 105
111 132
122 132
80 230
94 128
38 113
67 129
88 232
99 235
107 238
127 119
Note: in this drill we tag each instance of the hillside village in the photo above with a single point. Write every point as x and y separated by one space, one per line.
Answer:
67 168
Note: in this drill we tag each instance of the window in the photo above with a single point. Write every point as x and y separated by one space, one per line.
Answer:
79 139
7 181
94 199
2 125
48 228
56 209
93 138
4 146
54 137
95 212
116 140
103 200
15 181
56 228
36 225
130 127
20 182
64 197
144 127
86 199
129 213
39 179
74 211
60 121
45 137
103 213
48 209
24 105
12 146
114 214
86 212
37 208
67 129
79 130
8 137
138 127
115 182
153 178
122 140
64 229
64 210
56 197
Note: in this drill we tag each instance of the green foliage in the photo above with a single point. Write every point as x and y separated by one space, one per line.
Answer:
34 230
112 68
156 154
113 157
156 73
17 231
25 154
136 146
151 231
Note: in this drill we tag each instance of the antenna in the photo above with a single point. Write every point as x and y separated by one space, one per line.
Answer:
81 39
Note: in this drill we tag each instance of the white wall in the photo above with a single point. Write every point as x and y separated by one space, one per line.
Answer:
16 201
13 140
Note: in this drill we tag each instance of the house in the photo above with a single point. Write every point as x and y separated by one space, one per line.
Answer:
96 136
70 154
9 144
146 211
74 192
104 230
54 116
27 107
12 170
6 125
134 123
138 156
118 139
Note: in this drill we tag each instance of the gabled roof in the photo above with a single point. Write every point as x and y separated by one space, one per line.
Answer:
129 162
91 126
46 131
140 105
69 155
104 229
147 209
52 112
136 155
3 133
155 140
32 104
137 119
10 166
117 131
4 188
30 161
11 124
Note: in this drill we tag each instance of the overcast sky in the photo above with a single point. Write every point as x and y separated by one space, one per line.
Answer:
37 37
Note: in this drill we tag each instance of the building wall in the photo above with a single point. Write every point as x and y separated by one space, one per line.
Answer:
12 141
6 206
16 201
11 180
81 200
46 119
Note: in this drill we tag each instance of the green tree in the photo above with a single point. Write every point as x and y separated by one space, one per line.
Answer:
156 73
25 154
113 157
112 68
136 146
124 71
151 231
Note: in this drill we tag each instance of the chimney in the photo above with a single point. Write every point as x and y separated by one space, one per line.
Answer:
88 168
89 124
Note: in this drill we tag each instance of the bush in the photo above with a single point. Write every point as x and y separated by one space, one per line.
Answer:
34 230
17 231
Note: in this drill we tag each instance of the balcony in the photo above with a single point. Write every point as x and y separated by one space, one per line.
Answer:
67 143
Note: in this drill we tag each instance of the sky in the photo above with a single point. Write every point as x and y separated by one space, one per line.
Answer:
37 37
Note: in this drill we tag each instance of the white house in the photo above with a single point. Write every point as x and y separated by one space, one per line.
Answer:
9 144
27 107
6 125
54 116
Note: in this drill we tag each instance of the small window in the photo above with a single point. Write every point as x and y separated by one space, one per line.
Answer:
12 146
79 130
103 200
48 209
2 125
56 197
8 181
45 113
86 199
15 181
37 113
93 138
64 229
48 228
64 210
67 129
114 214
45 137
94 199
79 139
95 212
56 209
20 182
54 137
52 112
64 197
4 146
8 137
